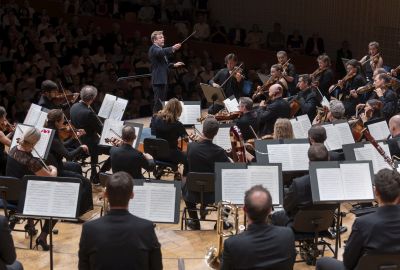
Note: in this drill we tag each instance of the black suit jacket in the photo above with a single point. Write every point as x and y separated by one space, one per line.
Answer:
326 79
231 87
159 63
248 119
394 146
376 232
7 250
127 159
261 246
118 241
389 100
83 117
46 103
298 195
279 108
308 101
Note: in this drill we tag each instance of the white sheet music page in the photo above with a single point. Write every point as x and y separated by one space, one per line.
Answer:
51 199
305 124
231 104
33 115
41 145
293 157
379 130
333 141
118 109
344 131
190 114
234 183
330 184
107 106
268 177
357 183
297 129
110 126
41 120
368 152
222 138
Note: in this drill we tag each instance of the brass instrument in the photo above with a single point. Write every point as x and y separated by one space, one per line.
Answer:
226 212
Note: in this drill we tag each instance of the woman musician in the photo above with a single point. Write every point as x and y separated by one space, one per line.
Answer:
372 110
276 77
371 61
323 76
289 71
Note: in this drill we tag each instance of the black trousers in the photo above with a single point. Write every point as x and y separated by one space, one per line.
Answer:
326 263
160 95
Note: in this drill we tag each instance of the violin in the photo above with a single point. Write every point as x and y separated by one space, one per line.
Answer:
61 98
317 73
357 127
67 131
222 116
263 90
7 127
348 76
295 106
322 115
238 147
114 141
285 65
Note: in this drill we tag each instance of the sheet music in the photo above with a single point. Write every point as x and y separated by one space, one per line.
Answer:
109 127
190 114
325 102
222 138
300 126
41 146
231 104
154 202
337 135
379 130
35 116
234 183
51 199
368 152
293 157
118 109
357 183
107 106
268 176
330 184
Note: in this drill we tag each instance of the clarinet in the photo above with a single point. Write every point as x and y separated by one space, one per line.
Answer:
371 139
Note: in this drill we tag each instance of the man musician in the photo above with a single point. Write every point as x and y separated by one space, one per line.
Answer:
276 77
247 123
289 71
159 67
372 61
323 77
49 89
307 98
232 84
386 95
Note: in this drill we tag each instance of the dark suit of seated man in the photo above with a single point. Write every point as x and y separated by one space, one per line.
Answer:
378 232
261 246
394 142
299 193
317 134
202 156
248 120
127 159
7 249
119 240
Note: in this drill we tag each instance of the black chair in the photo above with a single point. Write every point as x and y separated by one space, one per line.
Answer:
311 226
159 149
199 183
388 261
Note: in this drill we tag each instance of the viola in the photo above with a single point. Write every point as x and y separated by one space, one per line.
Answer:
67 131
114 141
61 98
238 147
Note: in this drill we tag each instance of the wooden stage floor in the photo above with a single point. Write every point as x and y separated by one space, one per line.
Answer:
175 244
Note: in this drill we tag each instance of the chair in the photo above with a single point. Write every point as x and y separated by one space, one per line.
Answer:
199 183
383 261
159 149
311 226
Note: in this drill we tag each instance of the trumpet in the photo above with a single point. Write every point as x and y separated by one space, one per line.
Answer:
227 212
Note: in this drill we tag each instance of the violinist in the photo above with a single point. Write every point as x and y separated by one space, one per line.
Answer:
233 85
386 95
166 125
277 108
49 90
283 129
248 118
306 97
323 77
202 156
289 71
372 110
276 77
372 61
335 112
126 158
58 151
5 140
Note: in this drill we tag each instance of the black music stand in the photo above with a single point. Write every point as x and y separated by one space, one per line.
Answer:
213 94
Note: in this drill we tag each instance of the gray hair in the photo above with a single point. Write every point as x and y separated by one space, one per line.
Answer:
88 93
31 136
337 109
247 102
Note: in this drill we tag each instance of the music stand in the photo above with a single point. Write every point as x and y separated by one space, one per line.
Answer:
213 94
55 186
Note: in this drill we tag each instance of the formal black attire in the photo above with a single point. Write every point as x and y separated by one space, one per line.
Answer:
308 100
377 232
245 121
278 108
389 100
7 249
201 158
291 71
159 73
117 241
231 87
3 159
57 153
127 159
326 79
82 117
341 53
171 132
45 102
394 145
349 101
261 246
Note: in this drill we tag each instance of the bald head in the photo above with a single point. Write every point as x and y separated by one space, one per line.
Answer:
275 91
257 204
394 125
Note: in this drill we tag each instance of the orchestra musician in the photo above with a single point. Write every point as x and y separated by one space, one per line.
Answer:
166 125
372 110
59 151
376 232
283 129
20 162
126 158
394 141
386 95
323 77
372 61
317 134
307 97
248 118
202 155
83 117
233 82
269 113
336 112
5 140
289 71
159 67
49 89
